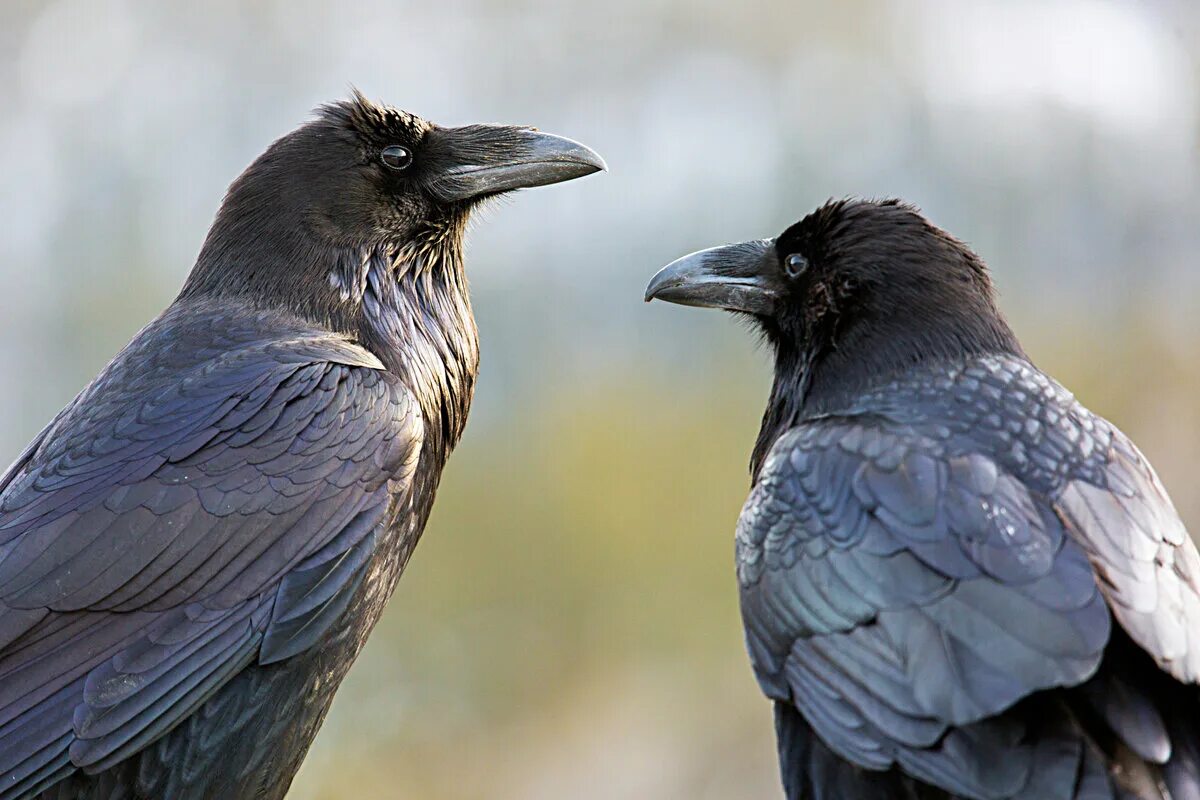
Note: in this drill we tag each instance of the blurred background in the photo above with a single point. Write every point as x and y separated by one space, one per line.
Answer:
568 627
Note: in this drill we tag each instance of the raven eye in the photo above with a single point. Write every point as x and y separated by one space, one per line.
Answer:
396 157
795 264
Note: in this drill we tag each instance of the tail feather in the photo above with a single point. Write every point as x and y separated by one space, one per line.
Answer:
811 771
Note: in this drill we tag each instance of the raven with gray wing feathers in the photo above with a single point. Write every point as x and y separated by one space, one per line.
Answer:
193 552
955 580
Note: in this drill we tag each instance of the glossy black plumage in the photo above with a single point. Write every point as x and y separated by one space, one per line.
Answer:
956 581
193 552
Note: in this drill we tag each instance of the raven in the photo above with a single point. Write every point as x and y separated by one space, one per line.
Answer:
194 550
955 580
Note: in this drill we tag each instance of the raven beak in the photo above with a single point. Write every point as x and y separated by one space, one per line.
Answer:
736 277
499 159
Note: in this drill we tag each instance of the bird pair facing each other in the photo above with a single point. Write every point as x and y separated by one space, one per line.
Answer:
936 546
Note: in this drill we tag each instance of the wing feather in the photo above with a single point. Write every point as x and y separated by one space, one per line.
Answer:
167 530
903 590
1147 564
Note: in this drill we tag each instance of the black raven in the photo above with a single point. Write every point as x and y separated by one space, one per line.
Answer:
955 580
194 551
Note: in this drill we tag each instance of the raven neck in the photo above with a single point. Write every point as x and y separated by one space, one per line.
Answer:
793 377
405 301
834 369
416 318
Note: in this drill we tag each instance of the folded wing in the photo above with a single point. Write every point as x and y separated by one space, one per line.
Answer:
168 532
902 591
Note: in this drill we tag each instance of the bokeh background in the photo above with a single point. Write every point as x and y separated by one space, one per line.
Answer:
568 627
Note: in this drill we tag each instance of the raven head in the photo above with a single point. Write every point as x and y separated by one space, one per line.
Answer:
365 176
850 273
372 171
850 295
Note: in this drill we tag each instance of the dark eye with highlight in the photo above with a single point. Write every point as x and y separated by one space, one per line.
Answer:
794 265
396 157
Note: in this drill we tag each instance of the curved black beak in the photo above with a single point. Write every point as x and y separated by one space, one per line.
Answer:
737 277
490 159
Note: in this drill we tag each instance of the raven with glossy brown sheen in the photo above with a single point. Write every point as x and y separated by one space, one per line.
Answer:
955 580
193 552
